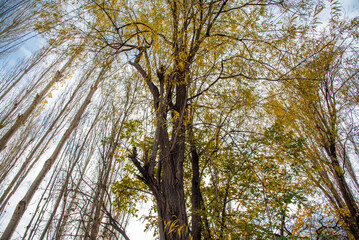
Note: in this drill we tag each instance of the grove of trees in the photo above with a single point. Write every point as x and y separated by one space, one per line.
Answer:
231 119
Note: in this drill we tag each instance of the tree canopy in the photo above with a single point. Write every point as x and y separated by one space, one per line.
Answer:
232 119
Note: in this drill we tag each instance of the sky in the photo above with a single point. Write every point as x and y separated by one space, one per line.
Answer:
351 8
136 227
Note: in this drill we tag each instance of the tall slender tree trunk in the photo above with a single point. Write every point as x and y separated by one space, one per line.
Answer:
106 173
99 198
25 71
22 206
353 220
8 114
65 215
42 204
20 176
11 157
21 119
65 184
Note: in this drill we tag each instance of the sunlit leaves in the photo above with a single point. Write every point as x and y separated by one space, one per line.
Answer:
129 194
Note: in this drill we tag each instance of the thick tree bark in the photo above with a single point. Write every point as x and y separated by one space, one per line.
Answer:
169 194
196 191
353 220
338 186
21 208
168 188
224 207
196 197
172 157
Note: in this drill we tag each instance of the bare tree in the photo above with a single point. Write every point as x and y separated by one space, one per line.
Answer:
17 21
21 207
26 114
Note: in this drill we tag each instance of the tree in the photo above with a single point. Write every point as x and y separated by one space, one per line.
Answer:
25 115
320 101
195 134
179 63
16 19
170 58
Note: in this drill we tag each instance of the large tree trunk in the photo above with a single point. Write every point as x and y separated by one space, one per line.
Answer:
196 193
168 191
172 156
22 206
353 220
177 153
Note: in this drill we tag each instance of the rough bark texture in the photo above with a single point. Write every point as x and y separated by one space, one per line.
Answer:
168 190
196 196
353 220
169 147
